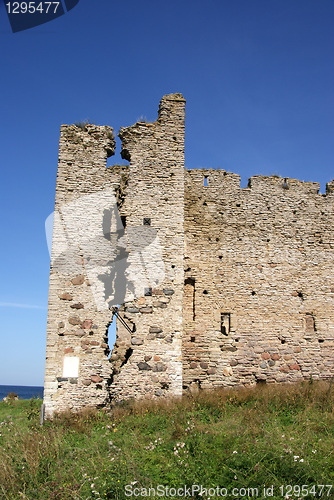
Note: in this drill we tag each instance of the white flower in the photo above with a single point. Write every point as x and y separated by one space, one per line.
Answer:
235 451
314 451
301 460
295 457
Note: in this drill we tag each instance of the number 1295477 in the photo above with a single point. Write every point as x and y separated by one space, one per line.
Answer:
319 490
32 7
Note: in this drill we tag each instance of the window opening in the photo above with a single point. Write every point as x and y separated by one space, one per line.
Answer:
225 323
189 285
310 323
146 221
205 181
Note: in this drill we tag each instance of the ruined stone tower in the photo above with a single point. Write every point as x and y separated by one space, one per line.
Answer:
215 285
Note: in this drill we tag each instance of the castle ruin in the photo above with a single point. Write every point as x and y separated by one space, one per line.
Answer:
209 284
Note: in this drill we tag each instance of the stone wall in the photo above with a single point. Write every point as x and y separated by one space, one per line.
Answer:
259 293
216 285
110 223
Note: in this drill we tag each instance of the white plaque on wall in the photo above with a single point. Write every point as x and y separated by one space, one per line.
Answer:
71 366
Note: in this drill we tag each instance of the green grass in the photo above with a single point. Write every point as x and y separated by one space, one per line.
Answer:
271 435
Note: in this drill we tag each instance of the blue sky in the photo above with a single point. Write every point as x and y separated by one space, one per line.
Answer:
258 79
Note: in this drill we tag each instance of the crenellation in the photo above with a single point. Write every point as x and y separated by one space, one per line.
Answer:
214 284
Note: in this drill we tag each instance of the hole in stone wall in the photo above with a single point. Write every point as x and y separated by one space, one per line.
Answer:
146 221
148 292
111 333
205 292
225 323
189 292
127 355
220 257
116 159
205 181
253 293
123 219
300 295
192 339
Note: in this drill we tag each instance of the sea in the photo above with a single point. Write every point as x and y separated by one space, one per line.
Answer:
23 391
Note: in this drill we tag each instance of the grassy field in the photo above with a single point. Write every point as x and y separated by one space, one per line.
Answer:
249 443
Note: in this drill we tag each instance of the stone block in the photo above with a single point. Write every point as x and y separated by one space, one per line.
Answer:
74 320
78 280
66 296
144 366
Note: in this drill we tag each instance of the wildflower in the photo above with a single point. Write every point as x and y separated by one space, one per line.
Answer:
235 451
314 451
295 458
301 460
